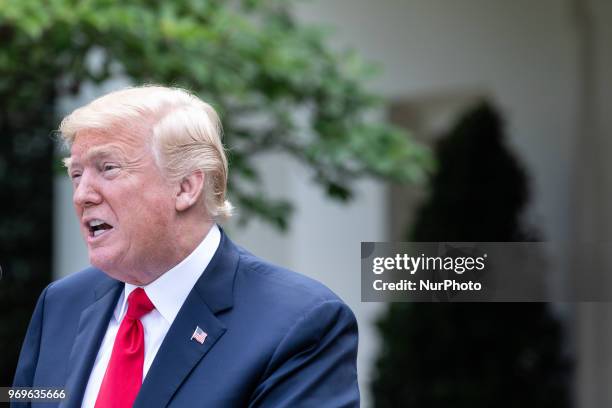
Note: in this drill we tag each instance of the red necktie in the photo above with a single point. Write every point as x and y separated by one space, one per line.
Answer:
123 376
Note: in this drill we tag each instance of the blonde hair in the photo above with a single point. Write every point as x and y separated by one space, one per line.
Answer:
185 134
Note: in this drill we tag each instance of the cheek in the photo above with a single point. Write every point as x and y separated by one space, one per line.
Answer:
144 213
154 217
153 234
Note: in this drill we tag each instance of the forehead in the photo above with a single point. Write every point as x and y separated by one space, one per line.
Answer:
95 142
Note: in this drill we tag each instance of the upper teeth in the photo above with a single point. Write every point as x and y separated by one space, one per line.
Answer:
95 223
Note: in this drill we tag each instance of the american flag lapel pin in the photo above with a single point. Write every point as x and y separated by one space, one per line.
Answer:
199 335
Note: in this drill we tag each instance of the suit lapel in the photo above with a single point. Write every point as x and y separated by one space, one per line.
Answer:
178 354
92 327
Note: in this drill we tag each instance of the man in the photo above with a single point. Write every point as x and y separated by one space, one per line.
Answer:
172 313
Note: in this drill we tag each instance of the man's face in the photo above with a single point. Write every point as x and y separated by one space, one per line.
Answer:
124 204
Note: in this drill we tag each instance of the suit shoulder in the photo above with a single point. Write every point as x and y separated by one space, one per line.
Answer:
75 283
277 284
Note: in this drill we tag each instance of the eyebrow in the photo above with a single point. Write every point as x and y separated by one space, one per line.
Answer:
95 152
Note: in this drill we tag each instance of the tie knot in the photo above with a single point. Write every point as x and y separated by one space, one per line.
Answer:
139 304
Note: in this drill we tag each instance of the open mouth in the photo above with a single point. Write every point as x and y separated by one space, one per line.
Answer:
98 227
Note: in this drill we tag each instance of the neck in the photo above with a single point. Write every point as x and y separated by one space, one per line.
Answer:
189 237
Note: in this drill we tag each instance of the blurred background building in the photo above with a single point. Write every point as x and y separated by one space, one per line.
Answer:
547 66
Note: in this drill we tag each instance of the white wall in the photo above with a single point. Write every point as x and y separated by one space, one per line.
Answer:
69 249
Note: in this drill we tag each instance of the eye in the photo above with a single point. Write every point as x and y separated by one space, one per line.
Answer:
75 178
109 167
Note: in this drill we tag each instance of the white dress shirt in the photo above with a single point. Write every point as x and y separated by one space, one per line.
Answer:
167 293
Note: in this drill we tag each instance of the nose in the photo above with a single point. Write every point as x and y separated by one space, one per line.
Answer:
86 192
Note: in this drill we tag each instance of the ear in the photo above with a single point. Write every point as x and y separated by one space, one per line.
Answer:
189 190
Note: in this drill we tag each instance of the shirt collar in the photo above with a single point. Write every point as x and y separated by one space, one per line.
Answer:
169 291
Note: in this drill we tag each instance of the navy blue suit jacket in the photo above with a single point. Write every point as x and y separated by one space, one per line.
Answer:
275 339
